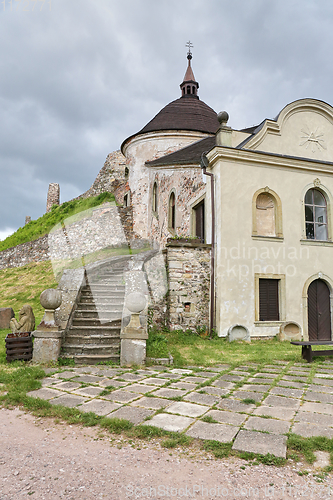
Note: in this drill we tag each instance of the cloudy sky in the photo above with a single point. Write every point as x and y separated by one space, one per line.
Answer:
79 76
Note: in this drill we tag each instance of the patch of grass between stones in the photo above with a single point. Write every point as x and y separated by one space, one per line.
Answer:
305 447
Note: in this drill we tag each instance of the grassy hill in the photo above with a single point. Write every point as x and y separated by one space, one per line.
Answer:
44 224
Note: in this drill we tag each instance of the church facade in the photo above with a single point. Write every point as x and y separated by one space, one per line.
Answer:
260 198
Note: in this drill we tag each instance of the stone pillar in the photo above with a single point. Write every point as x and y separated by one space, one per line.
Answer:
27 219
53 196
224 133
133 336
47 341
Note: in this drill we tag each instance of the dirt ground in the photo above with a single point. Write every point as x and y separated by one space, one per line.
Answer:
43 459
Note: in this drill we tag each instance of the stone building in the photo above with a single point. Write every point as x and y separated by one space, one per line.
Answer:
258 200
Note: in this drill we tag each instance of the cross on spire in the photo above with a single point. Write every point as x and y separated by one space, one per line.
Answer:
189 45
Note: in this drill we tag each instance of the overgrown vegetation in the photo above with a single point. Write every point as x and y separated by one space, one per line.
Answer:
44 224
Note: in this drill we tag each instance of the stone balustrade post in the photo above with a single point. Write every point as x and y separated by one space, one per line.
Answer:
133 336
48 336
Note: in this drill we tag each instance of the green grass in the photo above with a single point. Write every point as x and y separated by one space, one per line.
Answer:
44 224
188 348
23 285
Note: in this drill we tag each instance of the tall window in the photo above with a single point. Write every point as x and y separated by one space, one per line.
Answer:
269 300
172 212
315 215
155 197
265 215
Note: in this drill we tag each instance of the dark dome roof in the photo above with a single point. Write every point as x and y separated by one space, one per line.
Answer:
186 113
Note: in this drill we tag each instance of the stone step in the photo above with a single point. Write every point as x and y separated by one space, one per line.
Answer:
73 339
105 284
102 300
101 314
95 330
91 306
114 290
88 349
84 359
96 321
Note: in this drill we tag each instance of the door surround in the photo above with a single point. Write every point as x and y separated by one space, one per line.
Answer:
329 283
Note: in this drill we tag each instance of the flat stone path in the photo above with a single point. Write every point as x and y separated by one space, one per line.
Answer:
253 407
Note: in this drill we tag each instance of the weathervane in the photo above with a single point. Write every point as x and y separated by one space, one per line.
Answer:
189 45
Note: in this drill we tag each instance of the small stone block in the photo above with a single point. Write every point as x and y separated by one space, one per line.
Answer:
151 403
204 399
121 396
227 417
6 314
310 430
171 423
280 401
275 412
187 409
217 432
267 425
258 442
133 414
99 407
140 388
322 459
45 393
69 400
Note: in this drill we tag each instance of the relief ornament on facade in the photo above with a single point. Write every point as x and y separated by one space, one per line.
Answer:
314 140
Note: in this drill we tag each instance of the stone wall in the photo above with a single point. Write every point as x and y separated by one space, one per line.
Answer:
33 251
189 284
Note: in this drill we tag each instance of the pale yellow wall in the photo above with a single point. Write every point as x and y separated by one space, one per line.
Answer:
236 183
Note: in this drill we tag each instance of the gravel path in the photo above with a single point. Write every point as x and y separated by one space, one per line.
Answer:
45 460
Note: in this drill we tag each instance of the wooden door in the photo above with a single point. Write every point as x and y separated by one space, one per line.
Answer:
319 311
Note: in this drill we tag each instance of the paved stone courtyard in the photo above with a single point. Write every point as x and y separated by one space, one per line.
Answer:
251 407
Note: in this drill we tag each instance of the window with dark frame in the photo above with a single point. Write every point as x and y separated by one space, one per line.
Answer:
315 215
155 206
172 212
269 299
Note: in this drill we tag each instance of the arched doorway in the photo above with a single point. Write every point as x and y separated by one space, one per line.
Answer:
319 311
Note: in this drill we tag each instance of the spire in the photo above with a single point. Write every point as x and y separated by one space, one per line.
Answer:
189 86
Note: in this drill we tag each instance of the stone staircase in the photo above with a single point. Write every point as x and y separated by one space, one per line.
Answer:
94 333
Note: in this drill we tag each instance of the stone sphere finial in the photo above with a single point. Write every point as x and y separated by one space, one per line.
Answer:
136 302
51 298
223 117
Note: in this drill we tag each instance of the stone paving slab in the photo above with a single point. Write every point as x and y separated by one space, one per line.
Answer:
261 375
234 405
187 409
131 377
49 381
172 423
154 381
290 383
275 412
318 407
208 374
165 392
314 418
260 381
133 414
179 371
255 387
99 406
210 389
322 381
310 430
171 376
232 378
152 403
88 379
67 386
204 399
69 400
283 391
257 442
122 396
217 432
255 396
281 401
267 425
183 385
294 378
90 392
227 417
67 374
106 382
45 393
140 388
320 388
195 380
223 384
322 397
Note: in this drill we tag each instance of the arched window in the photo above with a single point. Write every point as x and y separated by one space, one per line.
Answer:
315 215
267 214
172 212
154 200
